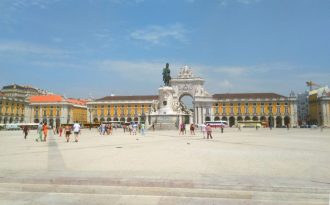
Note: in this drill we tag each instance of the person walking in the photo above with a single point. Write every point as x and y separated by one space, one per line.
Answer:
25 131
76 131
134 128
39 132
67 132
209 131
45 131
61 130
153 126
222 127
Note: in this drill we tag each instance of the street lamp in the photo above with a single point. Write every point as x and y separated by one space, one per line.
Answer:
90 109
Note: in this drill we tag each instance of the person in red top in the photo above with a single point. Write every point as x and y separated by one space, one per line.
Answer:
45 131
61 130
208 131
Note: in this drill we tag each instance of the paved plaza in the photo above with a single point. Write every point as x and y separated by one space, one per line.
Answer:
248 167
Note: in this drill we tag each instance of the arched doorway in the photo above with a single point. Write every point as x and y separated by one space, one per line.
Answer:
255 118
58 122
5 120
102 120
96 120
129 119
224 119
51 122
286 120
239 119
142 119
207 118
278 121
263 119
231 121
115 119
136 119
217 118
186 102
108 119
36 120
16 120
11 120
122 119
247 118
271 121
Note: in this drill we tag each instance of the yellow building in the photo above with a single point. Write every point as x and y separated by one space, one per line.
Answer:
120 108
319 107
12 109
57 110
269 108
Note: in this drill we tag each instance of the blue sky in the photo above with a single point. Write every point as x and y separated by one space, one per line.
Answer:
98 47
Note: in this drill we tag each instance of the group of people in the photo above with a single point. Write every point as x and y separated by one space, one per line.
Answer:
43 129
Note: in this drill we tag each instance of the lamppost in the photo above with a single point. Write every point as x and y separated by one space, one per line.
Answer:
90 109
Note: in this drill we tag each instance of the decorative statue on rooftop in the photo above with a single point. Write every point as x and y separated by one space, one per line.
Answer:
167 75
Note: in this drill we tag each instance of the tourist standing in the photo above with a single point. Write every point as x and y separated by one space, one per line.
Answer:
76 131
25 131
39 131
153 126
222 126
192 129
182 128
203 127
134 126
45 131
142 128
209 131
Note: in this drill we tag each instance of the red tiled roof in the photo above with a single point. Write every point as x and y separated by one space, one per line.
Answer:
135 97
45 98
247 95
76 101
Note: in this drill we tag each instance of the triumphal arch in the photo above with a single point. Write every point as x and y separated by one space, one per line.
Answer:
187 84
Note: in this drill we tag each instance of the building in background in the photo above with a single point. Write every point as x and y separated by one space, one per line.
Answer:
303 108
57 110
120 108
12 109
319 106
270 108
19 91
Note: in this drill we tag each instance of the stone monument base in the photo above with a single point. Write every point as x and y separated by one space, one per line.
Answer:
165 122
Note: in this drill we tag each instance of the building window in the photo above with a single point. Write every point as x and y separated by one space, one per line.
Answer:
262 109
278 109
286 110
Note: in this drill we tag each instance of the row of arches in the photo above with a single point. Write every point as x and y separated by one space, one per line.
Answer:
51 122
6 120
277 121
122 119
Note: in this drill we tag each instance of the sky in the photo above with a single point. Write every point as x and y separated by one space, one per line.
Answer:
94 48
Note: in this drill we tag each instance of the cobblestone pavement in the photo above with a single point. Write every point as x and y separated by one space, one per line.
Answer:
248 167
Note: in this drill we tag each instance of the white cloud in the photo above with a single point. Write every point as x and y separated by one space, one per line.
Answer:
160 35
19 47
245 2
232 70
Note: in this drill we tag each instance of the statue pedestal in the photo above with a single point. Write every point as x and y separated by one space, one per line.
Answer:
165 118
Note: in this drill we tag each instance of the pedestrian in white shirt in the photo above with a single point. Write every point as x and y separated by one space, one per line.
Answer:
76 130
